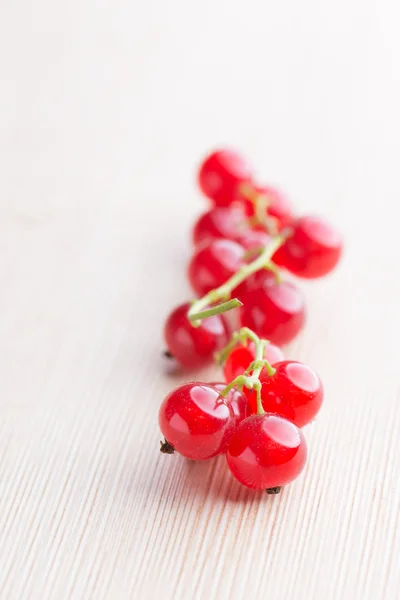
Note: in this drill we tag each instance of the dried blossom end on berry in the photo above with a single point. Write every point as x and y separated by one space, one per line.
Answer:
274 490
166 447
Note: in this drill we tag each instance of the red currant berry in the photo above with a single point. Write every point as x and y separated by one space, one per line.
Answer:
196 421
313 250
266 451
278 206
243 355
274 311
221 174
273 354
192 346
254 282
252 239
214 264
237 400
218 223
237 362
295 392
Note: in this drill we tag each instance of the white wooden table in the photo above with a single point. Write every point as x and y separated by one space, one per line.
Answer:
105 110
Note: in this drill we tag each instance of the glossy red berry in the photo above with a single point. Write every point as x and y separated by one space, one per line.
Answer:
237 400
266 451
243 355
253 239
193 346
278 206
196 420
237 362
294 392
313 249
213 264
254 282
274 311
221 175
218 223
273 354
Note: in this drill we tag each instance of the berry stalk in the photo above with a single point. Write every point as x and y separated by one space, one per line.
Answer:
252 381
223 292
260 202
241 336
216 310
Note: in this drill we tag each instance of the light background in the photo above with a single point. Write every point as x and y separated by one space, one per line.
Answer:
105 110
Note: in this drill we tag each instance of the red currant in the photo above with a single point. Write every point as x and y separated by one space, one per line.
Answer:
254 282
241 357
295 392
275 311
272 354
221 174
237 362
196 421
266 451
220 222
278 206
313 250
237 400
192 346
214 264
252 239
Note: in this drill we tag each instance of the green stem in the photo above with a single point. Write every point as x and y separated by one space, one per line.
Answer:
222 355
220 308
275 271
260 409
260 203
252 253
224 291
251 377
260 347
242 336
248 334
240 381
256 375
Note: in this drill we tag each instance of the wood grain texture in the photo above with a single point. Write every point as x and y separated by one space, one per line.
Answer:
105 109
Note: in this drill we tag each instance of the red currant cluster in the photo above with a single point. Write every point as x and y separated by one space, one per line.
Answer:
242 245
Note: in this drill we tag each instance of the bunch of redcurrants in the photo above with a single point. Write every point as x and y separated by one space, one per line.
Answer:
243 243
